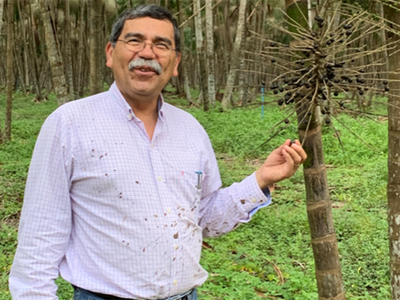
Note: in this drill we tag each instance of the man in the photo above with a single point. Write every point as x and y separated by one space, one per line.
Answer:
122 186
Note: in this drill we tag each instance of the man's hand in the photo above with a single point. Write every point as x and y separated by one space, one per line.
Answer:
282 163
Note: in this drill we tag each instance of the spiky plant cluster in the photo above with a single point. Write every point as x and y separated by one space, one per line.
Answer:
333 68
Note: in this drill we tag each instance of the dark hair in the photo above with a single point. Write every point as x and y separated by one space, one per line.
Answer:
146 10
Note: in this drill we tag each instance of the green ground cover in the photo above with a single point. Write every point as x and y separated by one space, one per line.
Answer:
270 257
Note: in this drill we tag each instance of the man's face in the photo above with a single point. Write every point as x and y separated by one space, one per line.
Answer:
142 82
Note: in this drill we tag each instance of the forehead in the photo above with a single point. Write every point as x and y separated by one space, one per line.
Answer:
149 28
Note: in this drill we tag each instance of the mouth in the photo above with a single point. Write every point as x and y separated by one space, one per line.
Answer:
146 70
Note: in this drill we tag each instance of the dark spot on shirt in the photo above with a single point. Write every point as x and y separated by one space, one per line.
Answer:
156 216
137 182
243 201
144 249
174 259
92 150
145 219
101 156
176 235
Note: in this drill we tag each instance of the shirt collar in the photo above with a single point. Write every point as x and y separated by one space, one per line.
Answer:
121 102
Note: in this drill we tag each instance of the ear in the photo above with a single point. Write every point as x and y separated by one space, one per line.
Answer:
177 60
109 52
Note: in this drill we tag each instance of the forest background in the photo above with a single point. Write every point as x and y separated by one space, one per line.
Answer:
240 60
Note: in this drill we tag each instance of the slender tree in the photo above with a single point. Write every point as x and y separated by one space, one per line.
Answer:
235 58
210 52
319 210
1 15
10 61
54 56
68 54
96 46
200 54
183 74
393 187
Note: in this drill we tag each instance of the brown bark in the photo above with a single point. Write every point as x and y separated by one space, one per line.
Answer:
81 52
96 47
54 57
393 188
200 55
235 58
10 62
319 211
183 72
68 55
34 60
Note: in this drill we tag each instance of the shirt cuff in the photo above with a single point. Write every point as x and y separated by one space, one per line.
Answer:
252 197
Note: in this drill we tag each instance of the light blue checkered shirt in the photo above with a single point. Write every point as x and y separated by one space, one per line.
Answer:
116 213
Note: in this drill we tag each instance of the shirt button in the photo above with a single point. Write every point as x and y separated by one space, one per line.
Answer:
159 178
129 117
175 282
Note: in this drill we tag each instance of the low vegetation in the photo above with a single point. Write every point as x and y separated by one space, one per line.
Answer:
270 257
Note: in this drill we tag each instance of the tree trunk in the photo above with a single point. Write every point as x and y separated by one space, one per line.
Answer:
1 15
323 237
210 52
96 47
200 55
81 51
183 74
10 62
56 64
34 60
68 55
393 188
235 58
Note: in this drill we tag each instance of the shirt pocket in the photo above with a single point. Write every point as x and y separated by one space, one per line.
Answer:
185 187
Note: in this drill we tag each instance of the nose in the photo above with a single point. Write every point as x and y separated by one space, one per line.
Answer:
147 51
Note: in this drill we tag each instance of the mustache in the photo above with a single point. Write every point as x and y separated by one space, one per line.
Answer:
140 62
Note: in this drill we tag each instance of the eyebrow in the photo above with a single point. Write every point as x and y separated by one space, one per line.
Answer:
141 36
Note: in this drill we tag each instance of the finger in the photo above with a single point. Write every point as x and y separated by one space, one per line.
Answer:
300 151
294 159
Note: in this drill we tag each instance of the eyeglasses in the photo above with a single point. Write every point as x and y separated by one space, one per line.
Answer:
160 48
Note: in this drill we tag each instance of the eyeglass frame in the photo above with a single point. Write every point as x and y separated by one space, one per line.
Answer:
144 46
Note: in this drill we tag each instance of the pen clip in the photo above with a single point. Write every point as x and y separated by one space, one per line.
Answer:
199 179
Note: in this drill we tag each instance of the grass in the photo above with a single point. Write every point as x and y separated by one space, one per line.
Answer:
270 257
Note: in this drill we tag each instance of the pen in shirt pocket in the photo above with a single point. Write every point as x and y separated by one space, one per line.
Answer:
199 179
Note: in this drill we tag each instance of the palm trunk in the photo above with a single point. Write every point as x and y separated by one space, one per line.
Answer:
235 58
1 14
210 52
34 60
10 62
393 188
56 64
323 237
200 55
81 51
96 47
68 55
183 74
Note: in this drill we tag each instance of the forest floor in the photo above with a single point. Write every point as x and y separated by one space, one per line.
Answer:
271 256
